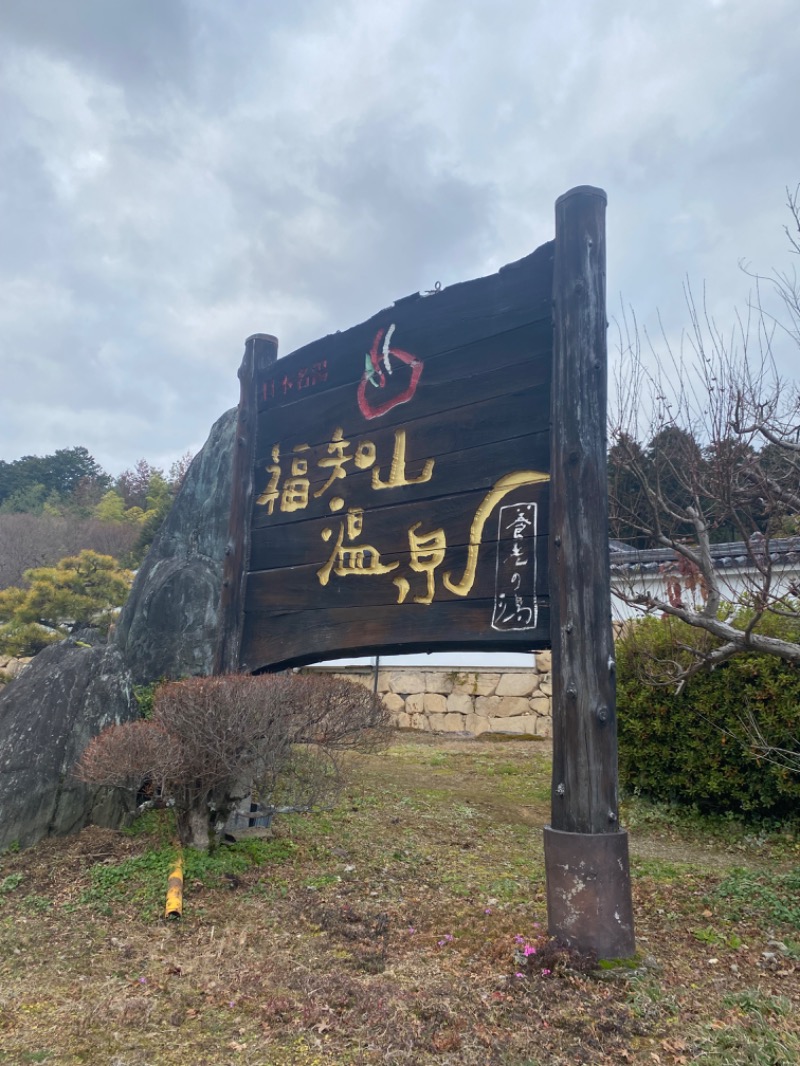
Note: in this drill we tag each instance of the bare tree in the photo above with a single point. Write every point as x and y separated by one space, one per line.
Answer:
29 540
214 741
706 449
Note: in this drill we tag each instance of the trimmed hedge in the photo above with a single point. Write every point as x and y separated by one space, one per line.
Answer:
693 747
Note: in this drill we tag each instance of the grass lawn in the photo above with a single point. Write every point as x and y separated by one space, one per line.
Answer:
393 929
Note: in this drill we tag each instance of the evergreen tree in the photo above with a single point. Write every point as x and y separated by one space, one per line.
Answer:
79 592
60 476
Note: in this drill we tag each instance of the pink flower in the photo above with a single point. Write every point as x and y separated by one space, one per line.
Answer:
529 950
519 939
488 910
519 974
546 972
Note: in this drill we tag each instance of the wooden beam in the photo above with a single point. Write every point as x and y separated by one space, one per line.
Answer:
260 351
585 850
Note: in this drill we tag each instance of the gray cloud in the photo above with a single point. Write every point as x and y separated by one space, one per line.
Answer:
178 175
144 46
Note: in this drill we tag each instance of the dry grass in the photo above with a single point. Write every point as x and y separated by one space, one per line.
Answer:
384 932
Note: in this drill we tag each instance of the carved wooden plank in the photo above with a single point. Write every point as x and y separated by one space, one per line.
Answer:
261 351
388 459
306 565
456 626
294 545
447 474
516 362
442 323
289 587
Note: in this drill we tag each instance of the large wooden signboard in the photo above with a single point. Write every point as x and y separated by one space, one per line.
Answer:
400 474
434 478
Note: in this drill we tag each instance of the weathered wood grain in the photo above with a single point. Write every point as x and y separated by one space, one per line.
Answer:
366 505
298 543
585 739
452 473
456 626
295 586
517 362
460 315
261 351
589 903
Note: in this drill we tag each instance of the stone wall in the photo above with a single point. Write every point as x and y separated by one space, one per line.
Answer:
510 700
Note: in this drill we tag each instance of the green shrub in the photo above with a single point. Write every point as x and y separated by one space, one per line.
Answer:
145 695
695 747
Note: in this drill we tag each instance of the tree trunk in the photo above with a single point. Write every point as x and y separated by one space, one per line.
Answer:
194 827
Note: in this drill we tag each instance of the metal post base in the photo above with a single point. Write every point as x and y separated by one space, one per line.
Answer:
589 891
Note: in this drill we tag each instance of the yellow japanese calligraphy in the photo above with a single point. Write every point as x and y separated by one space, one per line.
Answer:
365 454
348 560
499 490
427 552
270 493
295 489
335 459
397 470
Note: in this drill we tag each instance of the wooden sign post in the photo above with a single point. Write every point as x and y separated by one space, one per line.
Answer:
260 353
393 490
586 852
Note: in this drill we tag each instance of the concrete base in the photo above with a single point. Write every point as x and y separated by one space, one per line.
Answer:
589 891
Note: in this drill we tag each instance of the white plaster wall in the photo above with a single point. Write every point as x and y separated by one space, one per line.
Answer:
734 584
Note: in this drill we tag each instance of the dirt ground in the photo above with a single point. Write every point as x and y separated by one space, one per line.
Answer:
406 926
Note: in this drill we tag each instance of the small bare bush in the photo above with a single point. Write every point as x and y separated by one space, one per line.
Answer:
214 740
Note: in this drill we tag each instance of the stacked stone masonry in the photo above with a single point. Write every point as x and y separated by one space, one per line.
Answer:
510 700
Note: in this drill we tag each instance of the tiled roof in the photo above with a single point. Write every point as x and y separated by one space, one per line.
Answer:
783 551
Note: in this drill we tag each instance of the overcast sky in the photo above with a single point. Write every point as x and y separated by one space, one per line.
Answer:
178 174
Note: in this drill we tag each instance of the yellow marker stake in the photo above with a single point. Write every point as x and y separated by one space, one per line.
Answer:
174 907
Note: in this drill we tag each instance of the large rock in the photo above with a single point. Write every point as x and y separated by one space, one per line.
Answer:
47 717
71 691
168 626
